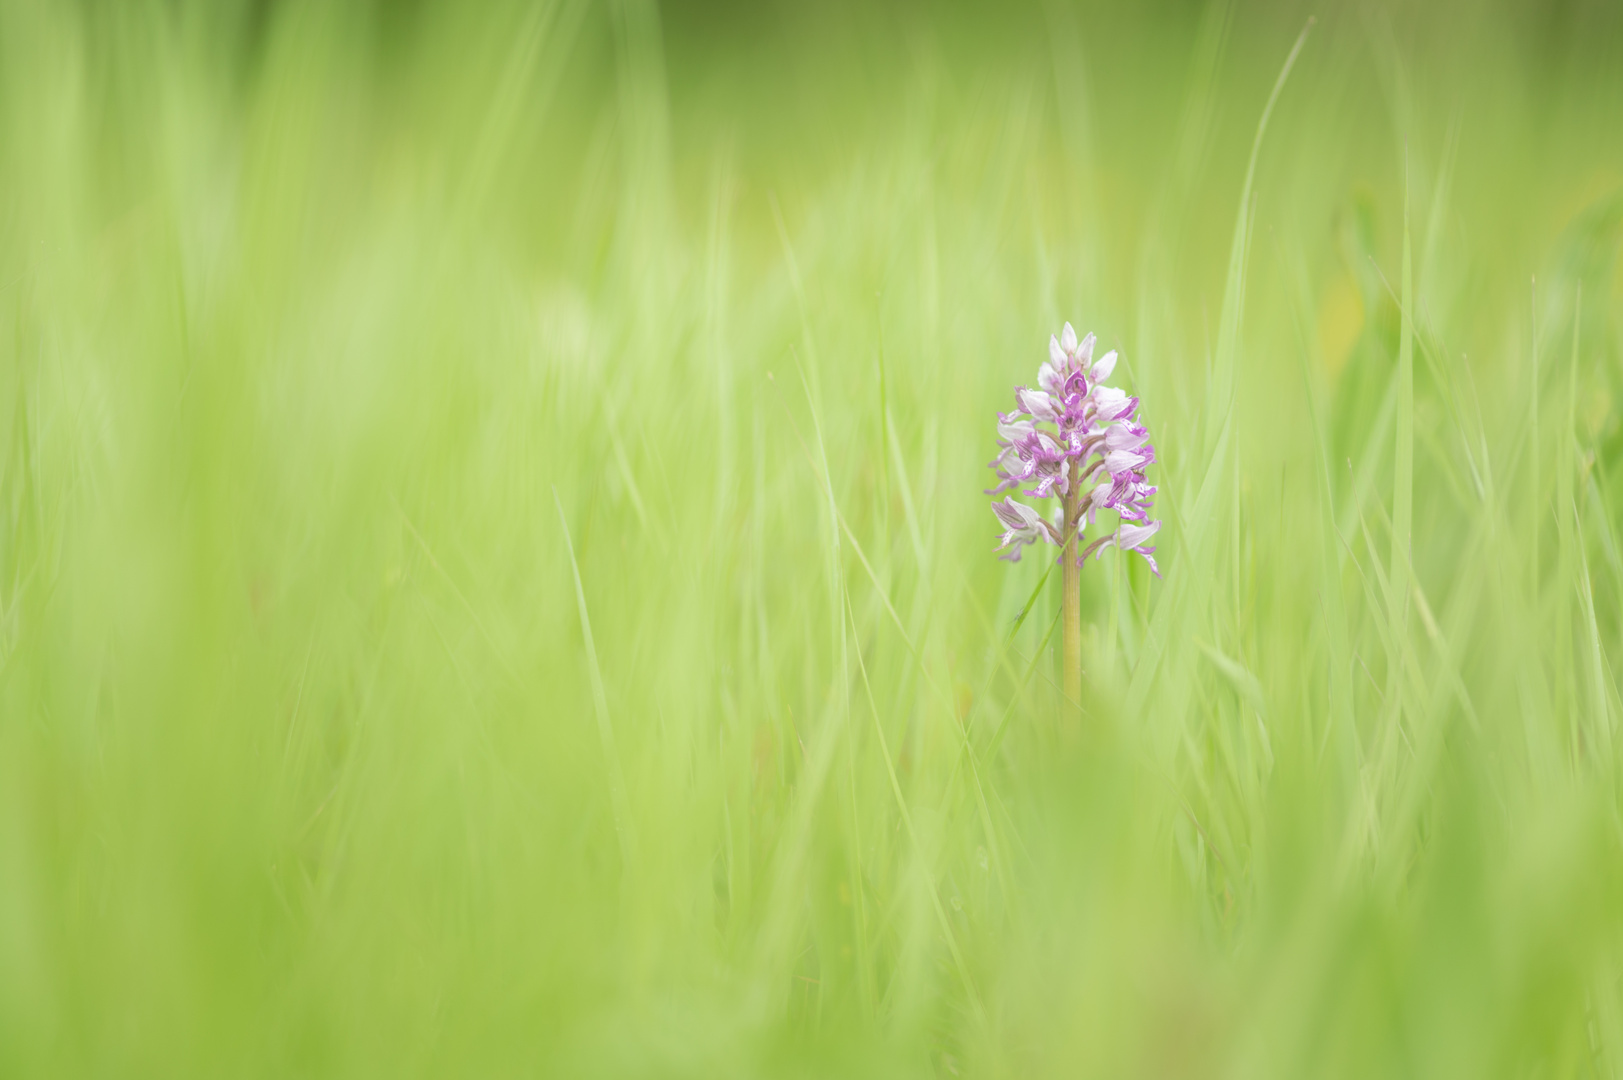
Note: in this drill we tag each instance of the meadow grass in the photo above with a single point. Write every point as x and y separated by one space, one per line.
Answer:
494 579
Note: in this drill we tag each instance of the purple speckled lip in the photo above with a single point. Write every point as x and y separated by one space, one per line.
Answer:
1069 430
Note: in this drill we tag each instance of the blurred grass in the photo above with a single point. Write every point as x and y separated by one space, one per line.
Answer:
322 323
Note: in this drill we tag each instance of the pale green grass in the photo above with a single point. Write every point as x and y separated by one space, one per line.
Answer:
494 579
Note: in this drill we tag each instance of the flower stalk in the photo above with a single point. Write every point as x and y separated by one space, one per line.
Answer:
1071 603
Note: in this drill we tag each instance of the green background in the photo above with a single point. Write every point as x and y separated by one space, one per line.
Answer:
354 359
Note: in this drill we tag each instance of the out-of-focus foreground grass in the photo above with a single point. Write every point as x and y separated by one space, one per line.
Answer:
321 322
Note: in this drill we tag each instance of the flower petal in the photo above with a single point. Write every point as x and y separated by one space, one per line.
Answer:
1049 378
1118 462
1016 515
1119 408
1067 340
1016 431
1129 537
1104 366
1036 403
1106 398
1084 352
1120 436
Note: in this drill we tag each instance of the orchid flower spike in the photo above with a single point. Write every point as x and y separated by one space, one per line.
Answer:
1074 439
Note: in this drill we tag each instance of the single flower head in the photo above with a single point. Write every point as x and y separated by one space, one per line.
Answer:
1077 440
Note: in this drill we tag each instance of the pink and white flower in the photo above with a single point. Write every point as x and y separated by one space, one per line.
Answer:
1094 438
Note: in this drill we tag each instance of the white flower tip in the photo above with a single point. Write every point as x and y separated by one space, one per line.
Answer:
1105 365
1056 352
1067 339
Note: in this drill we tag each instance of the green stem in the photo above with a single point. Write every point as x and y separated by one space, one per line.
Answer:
1071 643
